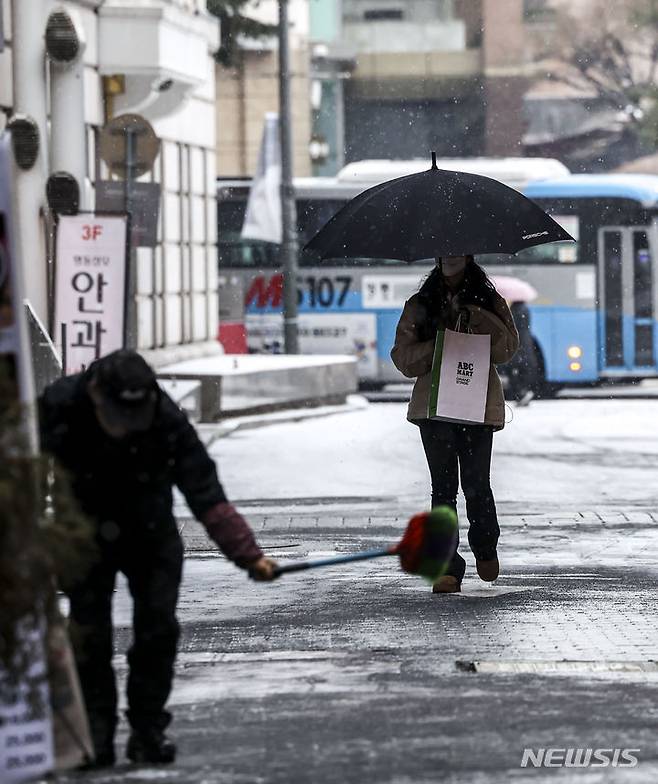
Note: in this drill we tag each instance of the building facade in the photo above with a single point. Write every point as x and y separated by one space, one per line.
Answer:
154 58
249 88
447 75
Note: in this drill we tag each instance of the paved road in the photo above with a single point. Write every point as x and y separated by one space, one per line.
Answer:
360 674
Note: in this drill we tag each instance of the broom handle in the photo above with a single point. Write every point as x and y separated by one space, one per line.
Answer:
338 559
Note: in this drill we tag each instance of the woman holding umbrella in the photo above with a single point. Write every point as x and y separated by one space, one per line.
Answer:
458 295
441 213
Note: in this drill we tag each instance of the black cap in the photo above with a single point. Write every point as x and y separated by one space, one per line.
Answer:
125 389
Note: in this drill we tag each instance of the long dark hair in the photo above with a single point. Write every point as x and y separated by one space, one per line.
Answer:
476 288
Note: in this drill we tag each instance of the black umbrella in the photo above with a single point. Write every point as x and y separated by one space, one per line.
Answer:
435 213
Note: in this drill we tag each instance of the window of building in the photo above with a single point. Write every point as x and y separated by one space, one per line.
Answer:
383 14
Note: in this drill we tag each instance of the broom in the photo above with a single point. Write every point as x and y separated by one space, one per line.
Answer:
426 548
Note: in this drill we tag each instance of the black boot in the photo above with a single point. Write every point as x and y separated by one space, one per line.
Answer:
104 758
150 745
102 736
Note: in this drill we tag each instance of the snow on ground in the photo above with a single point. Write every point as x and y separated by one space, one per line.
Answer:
330 676
371 452
237 364
583 453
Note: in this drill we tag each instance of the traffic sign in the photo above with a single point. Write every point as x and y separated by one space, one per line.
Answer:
129 145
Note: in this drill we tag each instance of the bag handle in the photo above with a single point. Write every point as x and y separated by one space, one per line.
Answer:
467 331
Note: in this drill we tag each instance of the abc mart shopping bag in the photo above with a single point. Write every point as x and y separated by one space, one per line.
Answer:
460 376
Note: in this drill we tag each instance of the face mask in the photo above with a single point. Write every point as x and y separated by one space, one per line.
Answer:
453 266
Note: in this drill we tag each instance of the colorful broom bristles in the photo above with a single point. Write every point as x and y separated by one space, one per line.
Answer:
429 543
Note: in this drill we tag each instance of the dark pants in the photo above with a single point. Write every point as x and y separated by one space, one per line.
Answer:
153 567
452 451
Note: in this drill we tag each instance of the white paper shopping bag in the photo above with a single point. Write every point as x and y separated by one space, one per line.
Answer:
460 376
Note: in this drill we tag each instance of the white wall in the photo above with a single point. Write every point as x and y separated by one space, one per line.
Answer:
177 282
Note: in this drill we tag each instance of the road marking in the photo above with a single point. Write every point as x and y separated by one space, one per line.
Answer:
561 667
560 576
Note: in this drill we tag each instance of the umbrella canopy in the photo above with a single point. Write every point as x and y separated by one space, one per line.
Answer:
513 289
435 213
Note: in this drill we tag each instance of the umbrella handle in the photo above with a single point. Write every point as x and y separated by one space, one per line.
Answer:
301 566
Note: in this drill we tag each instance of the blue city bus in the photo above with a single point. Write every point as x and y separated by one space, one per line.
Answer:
594 317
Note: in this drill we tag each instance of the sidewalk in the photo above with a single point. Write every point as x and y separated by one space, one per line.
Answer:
567 584
359 674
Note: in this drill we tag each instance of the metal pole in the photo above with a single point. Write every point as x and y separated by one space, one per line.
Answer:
131 272
288 212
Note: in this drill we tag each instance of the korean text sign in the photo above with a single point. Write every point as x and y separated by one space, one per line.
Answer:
90 287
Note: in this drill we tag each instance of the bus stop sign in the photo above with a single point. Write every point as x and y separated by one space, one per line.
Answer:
129 146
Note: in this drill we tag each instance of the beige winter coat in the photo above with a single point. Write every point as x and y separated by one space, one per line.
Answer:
413 357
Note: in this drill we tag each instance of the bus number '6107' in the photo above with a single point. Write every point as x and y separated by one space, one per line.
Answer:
321 292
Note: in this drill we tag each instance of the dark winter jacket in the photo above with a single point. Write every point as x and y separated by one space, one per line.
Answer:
129 481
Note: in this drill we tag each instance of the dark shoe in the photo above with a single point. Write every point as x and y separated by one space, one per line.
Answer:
488 570
102 728
104 758
447 584
150 746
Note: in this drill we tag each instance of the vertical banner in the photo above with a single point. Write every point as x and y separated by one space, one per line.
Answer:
26 731
262 220
90 287
26 737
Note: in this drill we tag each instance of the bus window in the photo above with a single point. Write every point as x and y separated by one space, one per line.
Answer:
313 214
613 298
643 299
555 252
232 249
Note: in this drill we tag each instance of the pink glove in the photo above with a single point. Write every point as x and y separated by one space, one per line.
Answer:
232 534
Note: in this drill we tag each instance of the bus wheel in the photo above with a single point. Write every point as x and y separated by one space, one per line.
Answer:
370 385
